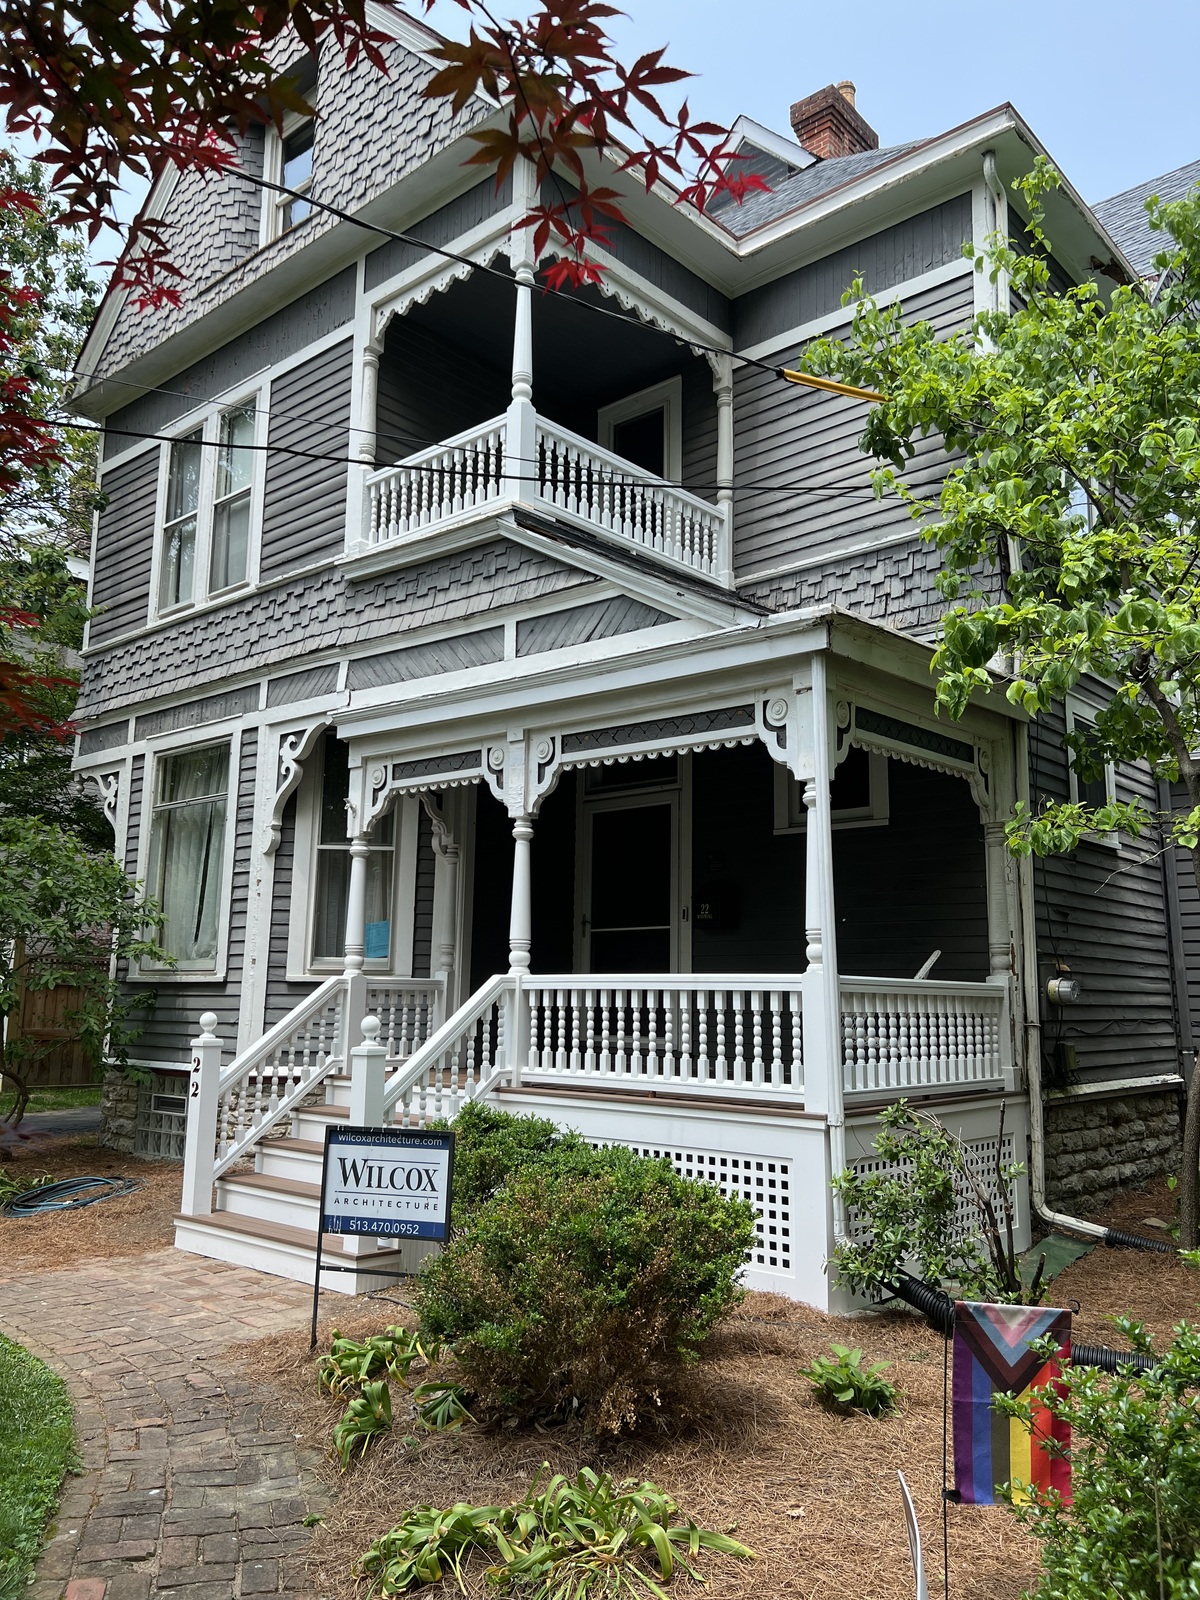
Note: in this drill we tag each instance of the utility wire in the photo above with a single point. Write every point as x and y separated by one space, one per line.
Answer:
431 470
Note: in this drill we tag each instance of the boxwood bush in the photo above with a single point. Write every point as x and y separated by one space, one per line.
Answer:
588 1280
491 1146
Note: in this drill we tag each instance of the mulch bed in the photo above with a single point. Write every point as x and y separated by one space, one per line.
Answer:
126 1225
813 1493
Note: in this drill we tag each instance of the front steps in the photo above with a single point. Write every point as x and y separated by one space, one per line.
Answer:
266 1218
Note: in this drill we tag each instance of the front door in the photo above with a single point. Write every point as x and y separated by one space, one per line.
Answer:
629 883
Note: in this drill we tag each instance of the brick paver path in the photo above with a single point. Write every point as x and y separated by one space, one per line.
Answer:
188 1491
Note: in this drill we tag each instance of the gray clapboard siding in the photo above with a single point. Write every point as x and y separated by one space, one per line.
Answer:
423 898
440 227
802 486
125 547
883 260
1103 912
699 430
304 501
174 1021
284 333
282 995
1189 915
430 390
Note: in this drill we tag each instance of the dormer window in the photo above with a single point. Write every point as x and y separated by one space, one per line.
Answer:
290 164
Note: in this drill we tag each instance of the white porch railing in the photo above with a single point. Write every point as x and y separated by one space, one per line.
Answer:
456 1062
568 476
687 1033
265 1084
901 1034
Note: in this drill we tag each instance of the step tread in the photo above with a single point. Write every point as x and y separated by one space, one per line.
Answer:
303 1147
280 1233
323 1111
263 1180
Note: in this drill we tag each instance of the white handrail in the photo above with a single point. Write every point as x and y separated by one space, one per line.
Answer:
436 1073
268 1080
910 1033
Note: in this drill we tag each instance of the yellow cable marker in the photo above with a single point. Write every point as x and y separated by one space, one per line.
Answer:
832 387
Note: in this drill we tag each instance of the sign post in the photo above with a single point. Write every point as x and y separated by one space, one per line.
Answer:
392 1183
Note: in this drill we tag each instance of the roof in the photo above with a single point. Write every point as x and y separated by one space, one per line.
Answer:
1124 215
789 194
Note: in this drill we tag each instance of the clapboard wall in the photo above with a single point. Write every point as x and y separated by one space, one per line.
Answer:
304 499
124 547
1102 912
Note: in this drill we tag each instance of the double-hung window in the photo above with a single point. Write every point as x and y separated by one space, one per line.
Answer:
187 852
208 508
289 163
333 868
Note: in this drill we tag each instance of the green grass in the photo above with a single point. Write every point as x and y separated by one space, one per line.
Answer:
37 1439
54 1099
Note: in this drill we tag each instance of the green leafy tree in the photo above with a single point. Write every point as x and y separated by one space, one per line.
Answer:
66 914
1067 519
1133 1526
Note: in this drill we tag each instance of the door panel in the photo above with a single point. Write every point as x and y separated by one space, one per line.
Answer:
629 915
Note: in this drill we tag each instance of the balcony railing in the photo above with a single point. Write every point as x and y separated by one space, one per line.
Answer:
568 478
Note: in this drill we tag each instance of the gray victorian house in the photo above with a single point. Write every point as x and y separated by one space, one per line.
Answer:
537 677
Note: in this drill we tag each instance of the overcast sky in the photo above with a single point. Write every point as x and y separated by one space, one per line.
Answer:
1112 90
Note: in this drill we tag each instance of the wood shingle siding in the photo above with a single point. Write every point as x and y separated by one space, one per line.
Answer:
1102 912
276 338
792 443
885 259
125 547
304 501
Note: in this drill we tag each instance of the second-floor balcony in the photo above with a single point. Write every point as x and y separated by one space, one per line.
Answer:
564 476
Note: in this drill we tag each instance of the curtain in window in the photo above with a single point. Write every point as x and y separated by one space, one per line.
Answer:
188 849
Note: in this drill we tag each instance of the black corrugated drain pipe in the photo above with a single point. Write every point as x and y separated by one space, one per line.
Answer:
938 1309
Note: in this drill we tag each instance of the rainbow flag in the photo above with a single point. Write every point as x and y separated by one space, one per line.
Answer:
992 1356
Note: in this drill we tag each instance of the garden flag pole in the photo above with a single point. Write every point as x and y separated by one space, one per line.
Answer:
992 1355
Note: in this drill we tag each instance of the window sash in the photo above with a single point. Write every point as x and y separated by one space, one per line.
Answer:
187 853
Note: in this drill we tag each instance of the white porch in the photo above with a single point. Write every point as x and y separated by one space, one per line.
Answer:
766 1082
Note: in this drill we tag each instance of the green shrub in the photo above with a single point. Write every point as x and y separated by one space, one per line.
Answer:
491 1146
1133 1527
588 1280
841 1380
907 1219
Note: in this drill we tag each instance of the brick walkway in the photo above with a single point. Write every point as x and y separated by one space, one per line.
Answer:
187 1490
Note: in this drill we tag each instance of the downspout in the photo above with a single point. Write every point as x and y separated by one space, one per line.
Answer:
1031 989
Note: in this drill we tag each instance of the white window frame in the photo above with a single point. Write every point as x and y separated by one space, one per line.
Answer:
274 205
668 395
791 814
301 964
1077 711
151 972
208 424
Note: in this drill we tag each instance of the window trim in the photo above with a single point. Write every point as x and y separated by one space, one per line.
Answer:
150 972
668 395
207 423
301 965
790 813
1076 711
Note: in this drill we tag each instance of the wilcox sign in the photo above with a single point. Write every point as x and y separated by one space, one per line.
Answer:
387 1181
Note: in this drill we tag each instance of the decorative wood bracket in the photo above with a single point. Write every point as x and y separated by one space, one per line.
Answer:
783 719
295 747
108 790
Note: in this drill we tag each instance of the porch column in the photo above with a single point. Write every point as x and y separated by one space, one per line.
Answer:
822 997
447 900
520 441
355 998
368 408
1000 937
723 388
520 922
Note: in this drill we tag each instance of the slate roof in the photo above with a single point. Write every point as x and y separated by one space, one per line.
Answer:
1124 215
805 187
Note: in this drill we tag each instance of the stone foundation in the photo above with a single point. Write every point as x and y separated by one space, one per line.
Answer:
1098 1144
118 1113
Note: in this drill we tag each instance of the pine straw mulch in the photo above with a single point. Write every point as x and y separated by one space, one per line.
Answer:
813 1493
126 1225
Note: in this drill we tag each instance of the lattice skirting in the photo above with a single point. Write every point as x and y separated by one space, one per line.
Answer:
764 1183
981 1158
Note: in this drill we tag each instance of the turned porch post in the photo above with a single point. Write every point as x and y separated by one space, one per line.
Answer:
1001 939
723 388
520 437
822 997
354 1000
520 922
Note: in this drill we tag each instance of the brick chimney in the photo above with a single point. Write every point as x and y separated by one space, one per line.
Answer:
827 124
